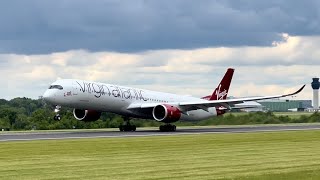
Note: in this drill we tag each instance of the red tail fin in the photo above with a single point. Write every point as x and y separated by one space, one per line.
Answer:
222 90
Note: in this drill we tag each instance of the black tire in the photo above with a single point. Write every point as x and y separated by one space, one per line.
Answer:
133 128
121 128
165 128
57 118
127 128
171 128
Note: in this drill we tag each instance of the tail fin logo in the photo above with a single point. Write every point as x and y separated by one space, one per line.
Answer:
221 92
221 95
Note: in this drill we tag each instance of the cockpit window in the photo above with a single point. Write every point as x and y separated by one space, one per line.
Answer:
56 87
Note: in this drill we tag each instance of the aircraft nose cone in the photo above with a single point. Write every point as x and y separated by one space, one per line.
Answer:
48 96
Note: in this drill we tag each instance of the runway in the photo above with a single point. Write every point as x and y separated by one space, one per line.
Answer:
56 135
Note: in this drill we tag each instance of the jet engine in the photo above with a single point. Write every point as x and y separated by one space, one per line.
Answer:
86 115
220 112
166 113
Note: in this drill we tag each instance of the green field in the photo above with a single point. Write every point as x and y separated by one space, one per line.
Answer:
273 155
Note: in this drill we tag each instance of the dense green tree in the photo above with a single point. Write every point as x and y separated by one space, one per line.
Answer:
4 123
3 102
22 122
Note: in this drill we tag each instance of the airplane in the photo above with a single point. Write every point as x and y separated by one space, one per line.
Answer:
88 99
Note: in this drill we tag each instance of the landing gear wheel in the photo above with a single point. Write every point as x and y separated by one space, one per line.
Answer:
127 128
57 109
121 127
57 117
167 128
133 128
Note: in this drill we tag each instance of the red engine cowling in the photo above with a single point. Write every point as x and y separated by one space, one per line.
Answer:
166 113
220 111
86 115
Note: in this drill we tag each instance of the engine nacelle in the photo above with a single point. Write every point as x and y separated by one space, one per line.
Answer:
220 112
166 113
86 115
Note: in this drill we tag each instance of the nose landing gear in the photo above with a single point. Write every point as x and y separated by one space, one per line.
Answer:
57 109
57 117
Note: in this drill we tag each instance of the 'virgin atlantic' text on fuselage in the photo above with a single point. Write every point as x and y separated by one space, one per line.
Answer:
111 90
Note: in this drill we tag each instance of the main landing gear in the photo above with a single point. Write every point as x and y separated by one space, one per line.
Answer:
167 128
126 126
57 109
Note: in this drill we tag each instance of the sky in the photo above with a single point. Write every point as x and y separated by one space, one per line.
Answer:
177 46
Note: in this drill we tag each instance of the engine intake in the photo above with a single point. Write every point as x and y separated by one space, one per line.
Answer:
86 115
166 113
220 112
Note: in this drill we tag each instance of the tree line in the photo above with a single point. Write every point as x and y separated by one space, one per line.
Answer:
28 114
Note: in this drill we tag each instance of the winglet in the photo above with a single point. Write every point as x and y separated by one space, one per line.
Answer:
296 91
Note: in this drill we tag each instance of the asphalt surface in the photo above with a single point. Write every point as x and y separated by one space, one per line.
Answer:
11 136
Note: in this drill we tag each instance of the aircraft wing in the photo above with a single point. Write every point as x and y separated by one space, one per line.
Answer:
201 104
228 103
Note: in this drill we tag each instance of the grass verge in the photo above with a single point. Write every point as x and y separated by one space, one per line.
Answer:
273 155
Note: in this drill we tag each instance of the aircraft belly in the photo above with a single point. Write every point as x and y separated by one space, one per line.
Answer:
111 104
199 114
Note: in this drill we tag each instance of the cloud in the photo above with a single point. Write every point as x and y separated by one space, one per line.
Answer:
285 66
44 27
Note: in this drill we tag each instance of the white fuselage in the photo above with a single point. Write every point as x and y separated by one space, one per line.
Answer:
102 97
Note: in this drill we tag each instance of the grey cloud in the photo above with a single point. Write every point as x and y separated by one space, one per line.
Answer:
26 79
3 64
154 59
80 58
3 61
40 27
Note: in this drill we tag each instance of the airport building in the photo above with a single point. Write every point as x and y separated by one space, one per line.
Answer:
277 105
286 105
